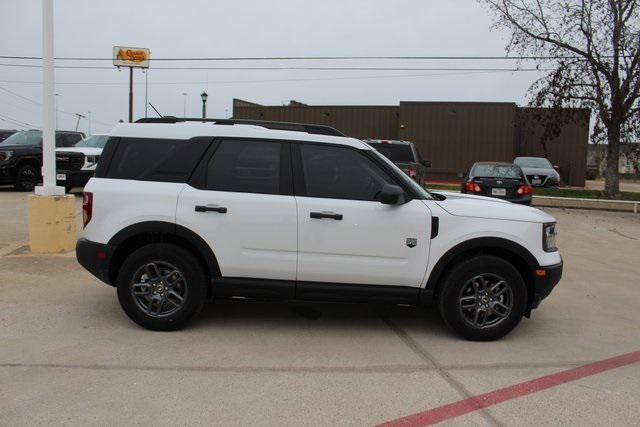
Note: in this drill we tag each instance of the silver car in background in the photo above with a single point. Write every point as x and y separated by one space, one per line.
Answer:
539 171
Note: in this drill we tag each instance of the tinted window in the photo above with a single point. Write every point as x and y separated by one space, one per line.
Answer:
246 167
395 152
27 137
341 173
165 160
496 171
533 162
5 134
94 141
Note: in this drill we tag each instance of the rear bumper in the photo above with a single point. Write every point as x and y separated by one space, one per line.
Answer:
94 257
75 178
544 284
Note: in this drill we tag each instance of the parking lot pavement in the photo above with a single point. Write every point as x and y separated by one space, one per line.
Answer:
69 355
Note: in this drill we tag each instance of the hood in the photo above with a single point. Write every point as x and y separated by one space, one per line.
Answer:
486 207
87 151
539 171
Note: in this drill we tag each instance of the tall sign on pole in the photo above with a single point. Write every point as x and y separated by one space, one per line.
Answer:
132 57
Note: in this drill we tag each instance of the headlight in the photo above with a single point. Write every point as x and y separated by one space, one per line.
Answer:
549 232
5 155
92 160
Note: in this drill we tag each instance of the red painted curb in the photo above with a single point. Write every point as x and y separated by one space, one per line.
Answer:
452 410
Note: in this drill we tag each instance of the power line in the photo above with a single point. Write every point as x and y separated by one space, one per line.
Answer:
24 98
89 67
319 58
16 121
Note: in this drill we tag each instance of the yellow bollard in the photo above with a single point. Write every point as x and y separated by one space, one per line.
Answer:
52 223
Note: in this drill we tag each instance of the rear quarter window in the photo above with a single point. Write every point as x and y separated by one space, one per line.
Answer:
147 159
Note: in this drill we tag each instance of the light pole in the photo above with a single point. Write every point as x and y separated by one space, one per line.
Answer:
184 104
204 96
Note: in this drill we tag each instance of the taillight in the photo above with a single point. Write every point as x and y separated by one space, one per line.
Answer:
473 187
525 189
413 173
87 208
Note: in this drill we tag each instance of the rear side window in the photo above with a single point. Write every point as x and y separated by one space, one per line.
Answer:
341 173
164 160
246 167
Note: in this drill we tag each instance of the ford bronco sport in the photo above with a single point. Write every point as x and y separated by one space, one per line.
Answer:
180 211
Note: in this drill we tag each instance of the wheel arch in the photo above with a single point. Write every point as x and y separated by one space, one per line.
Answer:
510 251
137 235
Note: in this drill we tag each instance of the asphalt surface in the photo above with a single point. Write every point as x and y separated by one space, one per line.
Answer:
68 354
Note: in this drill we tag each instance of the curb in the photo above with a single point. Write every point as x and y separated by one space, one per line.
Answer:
594 204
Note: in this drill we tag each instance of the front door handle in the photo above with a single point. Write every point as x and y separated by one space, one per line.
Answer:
329 215
218 209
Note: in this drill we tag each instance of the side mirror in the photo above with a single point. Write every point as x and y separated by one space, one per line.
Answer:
391 194
557 168
426 163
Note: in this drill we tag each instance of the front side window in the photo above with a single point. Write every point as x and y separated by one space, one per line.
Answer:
245 167
341 173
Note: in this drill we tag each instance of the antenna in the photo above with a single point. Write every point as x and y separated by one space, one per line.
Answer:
156 110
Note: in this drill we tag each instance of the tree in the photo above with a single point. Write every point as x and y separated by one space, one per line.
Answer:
589 51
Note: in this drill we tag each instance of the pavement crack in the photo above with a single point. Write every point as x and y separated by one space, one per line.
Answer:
440 369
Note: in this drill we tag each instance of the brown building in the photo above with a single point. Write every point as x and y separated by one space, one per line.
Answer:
453 135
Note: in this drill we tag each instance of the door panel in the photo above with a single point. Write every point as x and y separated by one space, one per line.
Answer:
254 238
367 246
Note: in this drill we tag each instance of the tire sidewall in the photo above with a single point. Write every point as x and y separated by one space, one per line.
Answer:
192 272
22 185
449 304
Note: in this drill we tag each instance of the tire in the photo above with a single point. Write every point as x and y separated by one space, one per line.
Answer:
27 177
157 305
463 287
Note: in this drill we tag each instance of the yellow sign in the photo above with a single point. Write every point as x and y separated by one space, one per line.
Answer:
131 57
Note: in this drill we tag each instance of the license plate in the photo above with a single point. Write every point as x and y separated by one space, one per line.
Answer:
536 181
498 191
61 176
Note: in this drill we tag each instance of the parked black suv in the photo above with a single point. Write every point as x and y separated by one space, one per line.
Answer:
21 157
405 155
6 133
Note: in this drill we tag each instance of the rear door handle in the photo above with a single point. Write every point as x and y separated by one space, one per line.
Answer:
329 215
219 209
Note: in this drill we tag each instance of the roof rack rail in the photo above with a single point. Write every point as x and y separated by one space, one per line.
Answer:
296 127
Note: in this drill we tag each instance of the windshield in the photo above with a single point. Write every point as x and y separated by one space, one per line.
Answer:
27 137
405 179
532 162
95 141
395 152
497 171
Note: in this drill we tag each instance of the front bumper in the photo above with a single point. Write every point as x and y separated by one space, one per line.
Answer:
95 258
544 284
74 178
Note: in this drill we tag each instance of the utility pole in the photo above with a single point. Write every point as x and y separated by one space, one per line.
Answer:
89 119
184 104
146 92
130 94
80 116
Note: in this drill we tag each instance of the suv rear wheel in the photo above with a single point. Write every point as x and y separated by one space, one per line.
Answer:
161 286
483 298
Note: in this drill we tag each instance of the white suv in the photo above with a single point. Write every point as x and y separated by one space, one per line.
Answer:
179 212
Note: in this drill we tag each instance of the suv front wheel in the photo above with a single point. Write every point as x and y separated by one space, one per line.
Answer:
161 286
483 298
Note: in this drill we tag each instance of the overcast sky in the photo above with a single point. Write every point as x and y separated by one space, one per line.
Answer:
242 28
